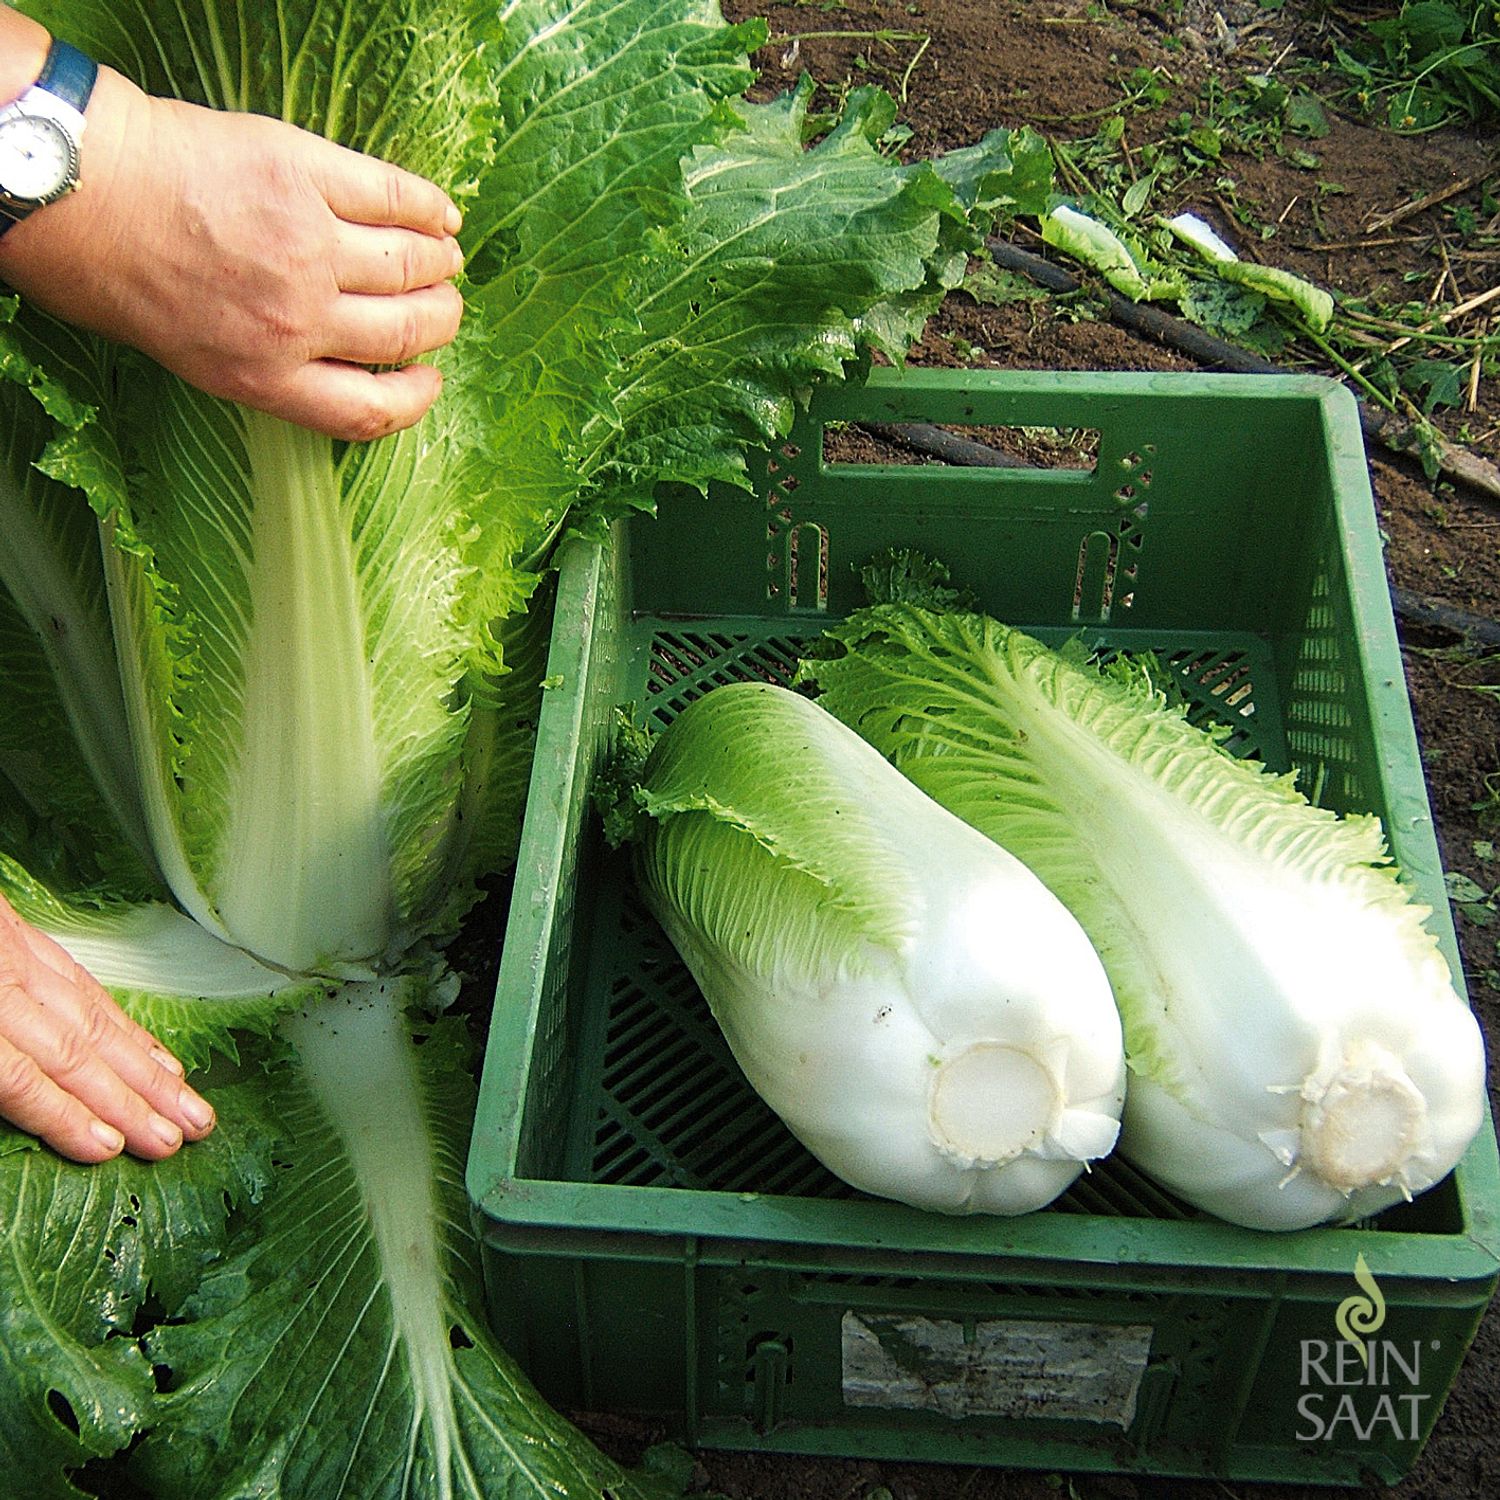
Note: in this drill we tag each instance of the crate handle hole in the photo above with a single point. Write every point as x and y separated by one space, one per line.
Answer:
806 566
1094 580
965 445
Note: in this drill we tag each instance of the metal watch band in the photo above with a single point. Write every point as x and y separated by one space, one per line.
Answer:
69 75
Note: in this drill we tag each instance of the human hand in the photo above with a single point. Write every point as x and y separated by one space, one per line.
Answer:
74 1068
256 260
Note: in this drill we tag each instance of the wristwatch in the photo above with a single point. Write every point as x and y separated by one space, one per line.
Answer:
40 134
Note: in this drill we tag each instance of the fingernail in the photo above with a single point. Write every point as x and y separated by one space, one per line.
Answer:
165 1131
107 1136
453 221
167 1061
196 1110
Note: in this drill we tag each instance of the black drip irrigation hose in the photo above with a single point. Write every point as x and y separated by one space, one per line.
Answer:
1475 630
937 442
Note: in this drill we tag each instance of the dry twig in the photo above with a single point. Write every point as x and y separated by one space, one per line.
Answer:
1475 368
1442 320
1394 239
1431 200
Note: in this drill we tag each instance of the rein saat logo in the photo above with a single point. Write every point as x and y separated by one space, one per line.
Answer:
1359 1386
1361 1315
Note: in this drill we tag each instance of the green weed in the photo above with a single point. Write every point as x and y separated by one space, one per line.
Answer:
1433 63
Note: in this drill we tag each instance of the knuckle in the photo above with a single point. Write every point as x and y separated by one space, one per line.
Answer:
22 1082
231 383
284 174
97 1027
411 336
283 324
452 305
15 967
396 196
74 1052
414 270
249 384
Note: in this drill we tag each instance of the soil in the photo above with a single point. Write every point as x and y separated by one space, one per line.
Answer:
962 67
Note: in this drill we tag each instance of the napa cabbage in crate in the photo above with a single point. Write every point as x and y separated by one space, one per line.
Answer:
1298 1052
925 1016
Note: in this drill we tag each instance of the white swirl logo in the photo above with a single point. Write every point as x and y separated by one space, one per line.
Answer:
1360 1315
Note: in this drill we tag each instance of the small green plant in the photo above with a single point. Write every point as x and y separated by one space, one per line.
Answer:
1478 901
1488 807
1433 63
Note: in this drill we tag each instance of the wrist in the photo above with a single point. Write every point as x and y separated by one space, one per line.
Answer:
61 253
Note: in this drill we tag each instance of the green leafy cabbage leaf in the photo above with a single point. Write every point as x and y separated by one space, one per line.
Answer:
271 699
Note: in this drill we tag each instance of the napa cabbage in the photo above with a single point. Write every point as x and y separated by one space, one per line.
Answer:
1297 1050
920 1011
270 698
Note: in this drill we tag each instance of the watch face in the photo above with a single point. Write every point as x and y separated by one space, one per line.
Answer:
36 158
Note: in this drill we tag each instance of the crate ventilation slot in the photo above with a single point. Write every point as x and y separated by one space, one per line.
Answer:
686 664
1109 560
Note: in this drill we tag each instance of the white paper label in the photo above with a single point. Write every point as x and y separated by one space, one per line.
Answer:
1088 1372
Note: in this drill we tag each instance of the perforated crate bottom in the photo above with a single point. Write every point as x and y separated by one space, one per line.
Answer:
661 1102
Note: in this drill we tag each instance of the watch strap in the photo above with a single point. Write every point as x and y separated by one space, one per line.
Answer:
69 74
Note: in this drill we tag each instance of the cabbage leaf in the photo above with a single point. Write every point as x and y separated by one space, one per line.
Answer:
266 769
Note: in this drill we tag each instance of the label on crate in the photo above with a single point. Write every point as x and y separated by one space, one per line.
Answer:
1080 1372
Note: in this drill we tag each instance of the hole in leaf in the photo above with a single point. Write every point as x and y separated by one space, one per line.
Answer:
61 1408
458 1339
107 1478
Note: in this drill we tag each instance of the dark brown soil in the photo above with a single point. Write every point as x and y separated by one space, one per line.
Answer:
1050 63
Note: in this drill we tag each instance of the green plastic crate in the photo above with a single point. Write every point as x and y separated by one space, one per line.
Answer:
653 1238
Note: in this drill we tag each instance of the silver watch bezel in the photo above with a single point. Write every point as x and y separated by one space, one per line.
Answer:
40 104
